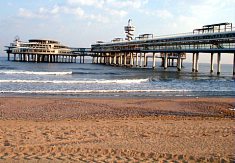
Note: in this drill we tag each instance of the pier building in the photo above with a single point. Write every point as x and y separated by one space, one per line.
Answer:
43 50
171 49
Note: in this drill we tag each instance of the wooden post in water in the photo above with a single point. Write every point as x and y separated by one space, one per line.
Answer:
218 63
179 62
115 59
100 58
165 60
131 60
36 58
97 58
118 59
125 55
193 63
212 66
121 59
154 61
140 60
105 59
145 60
234 64
137 60
197 64
110 59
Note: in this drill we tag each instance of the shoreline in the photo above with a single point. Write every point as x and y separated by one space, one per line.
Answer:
35 129
114 96
119 97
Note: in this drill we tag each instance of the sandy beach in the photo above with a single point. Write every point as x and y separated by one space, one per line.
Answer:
122 130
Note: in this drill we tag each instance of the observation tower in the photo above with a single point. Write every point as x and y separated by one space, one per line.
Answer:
129 30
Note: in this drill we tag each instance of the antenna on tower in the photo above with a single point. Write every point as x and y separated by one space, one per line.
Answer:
129 22
129 30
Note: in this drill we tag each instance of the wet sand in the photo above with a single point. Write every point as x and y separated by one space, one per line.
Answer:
121 130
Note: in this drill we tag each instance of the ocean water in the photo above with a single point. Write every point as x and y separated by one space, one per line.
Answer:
92 80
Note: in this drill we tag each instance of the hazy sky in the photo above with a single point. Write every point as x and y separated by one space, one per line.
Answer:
79 23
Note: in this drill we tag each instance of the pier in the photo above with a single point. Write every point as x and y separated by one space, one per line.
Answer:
215 39
170 50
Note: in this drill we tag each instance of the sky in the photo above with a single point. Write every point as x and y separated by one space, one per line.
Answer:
80 23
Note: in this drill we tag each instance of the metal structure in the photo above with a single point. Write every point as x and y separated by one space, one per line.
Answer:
129 30
220 27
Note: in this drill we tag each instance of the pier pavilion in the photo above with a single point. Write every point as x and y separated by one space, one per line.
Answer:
43 50
134 52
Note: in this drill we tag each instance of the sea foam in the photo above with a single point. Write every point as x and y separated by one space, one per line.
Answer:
35 72
97 91
101 81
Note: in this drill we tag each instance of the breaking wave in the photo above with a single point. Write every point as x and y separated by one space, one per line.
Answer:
36 72
101 81
87 91
103 91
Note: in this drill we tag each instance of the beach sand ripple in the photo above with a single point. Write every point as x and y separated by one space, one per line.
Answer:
116 130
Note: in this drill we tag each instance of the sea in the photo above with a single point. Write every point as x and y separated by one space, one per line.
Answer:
93 80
